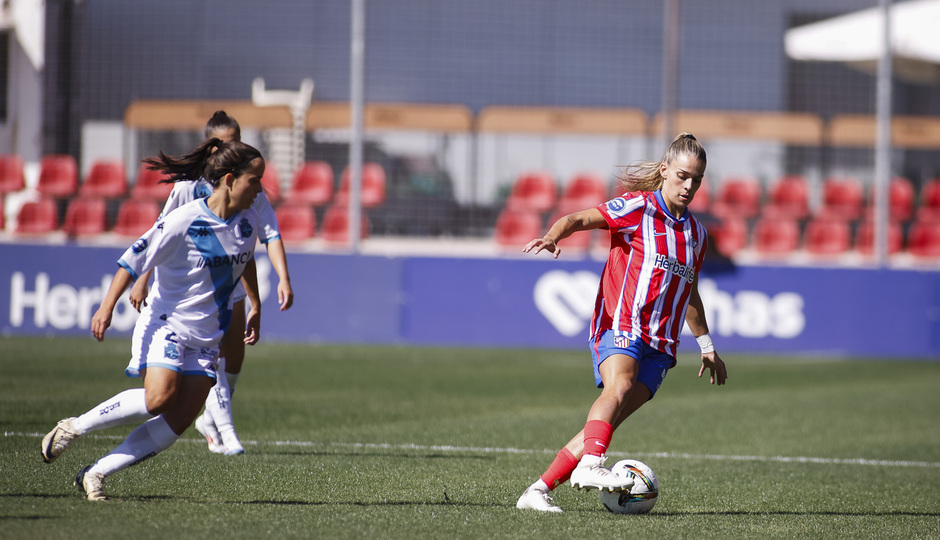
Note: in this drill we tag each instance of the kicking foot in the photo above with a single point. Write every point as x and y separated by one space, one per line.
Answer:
58 440
536 499
591 474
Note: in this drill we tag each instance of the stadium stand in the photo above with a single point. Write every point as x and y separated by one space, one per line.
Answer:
514 228
149 187
533 191
85 216
58 176
843 198
774 236
297 221
929 207
584 190
737 197
136 216
701 204
313 184
730 236
827 236
37 217
373 186
106 179
271 182
11 174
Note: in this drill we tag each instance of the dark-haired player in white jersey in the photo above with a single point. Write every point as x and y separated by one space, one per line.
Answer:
200 253
648 289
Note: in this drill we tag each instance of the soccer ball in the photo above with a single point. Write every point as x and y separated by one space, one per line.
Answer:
642 496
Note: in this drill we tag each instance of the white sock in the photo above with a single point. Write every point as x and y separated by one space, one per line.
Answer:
128 407
148 440
231 378
540 485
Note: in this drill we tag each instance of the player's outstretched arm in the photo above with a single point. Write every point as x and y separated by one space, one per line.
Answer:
278 256
253 320
695 318
101 320
140 289
565 227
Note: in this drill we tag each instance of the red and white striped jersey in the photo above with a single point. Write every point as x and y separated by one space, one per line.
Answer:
647 280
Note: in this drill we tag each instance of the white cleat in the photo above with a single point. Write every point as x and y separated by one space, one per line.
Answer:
591 474
58 440
92 484
207 430
233 446
536 499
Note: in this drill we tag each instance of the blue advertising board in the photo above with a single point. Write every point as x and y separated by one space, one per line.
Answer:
503 302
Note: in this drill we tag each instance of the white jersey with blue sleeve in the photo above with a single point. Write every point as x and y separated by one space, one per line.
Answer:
186 191
199 259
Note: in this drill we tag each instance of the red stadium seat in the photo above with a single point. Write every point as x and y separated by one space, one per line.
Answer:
336 225
58 176
11 173
105 179
900 200
271 182
788 198
776 236
373 186
865 237
923 240
533 191
737 197
929 207
827 236
85 216
37 217
843 198
149 185
730 236
515 228
585 190
136 216
313 184
296 221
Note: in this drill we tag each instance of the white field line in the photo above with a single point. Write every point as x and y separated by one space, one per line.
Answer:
510 450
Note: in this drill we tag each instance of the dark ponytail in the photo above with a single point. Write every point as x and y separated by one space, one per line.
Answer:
211 160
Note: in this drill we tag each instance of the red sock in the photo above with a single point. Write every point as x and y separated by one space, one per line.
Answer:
597 435
560 470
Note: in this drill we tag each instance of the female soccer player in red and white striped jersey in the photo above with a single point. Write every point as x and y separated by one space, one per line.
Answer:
648 287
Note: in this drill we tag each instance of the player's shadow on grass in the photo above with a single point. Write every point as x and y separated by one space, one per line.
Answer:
368 504
377 454
795 513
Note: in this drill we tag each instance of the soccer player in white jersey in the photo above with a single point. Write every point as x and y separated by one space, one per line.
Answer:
648 287
200 252
217 423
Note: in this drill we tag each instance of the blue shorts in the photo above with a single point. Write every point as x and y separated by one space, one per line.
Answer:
653 363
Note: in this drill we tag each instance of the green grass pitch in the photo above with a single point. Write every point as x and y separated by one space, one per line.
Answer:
403 442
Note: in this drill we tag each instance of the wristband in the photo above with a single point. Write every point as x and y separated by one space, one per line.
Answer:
705 343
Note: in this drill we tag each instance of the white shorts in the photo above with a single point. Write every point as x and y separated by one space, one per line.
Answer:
155 344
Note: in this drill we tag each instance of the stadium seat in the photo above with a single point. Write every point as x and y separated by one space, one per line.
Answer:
843 198
827 236
136 216
776 236
923 239
85 216
373 186
37 217
271 182
788 198
105 179
533 191
149 185
58 176
585 190
900 200
929 207
11 173
738 197
730 236
336 225
296 221
313 184
515 228
865 237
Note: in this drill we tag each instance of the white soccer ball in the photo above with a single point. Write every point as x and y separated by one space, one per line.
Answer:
642 496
